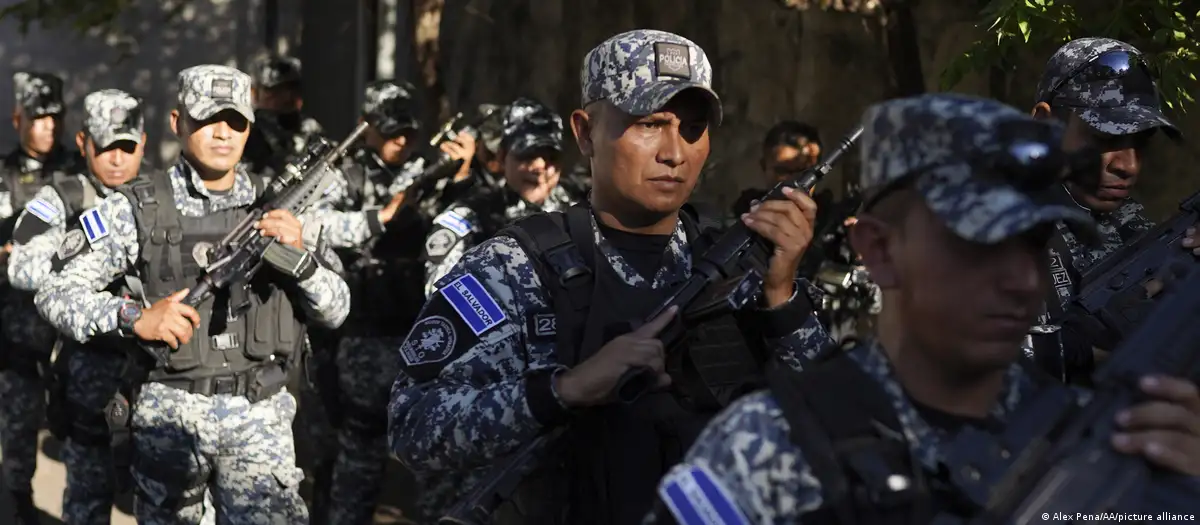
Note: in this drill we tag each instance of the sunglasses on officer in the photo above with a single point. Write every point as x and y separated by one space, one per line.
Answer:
1030 160
1131 68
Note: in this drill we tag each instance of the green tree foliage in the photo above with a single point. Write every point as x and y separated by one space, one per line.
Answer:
1165 30
80 15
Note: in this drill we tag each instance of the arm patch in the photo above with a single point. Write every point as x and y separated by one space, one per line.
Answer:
455 222
42 210
74 244
474 304
94 225
696 497
439 243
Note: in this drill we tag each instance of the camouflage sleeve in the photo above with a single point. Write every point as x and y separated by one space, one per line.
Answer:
451 236
6 210
348 229
326 294
96 250
476 383
742 466
793 331
37 236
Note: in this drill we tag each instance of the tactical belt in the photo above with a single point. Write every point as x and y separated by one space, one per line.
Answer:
254 384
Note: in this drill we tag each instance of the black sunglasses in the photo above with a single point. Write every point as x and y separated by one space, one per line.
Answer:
1112 65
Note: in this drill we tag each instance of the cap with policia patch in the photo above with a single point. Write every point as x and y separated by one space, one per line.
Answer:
983 181
209 89
529 125
1107 84
640 71
387 107
112 115
38 94
276 71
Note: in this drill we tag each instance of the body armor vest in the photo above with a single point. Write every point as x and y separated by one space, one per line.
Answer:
242 327
619 452
386 276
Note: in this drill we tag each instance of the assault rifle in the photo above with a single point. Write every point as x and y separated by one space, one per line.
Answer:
240 253
1119 293
1056 453
725 278
442 164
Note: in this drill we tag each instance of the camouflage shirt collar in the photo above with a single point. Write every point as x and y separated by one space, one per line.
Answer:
517 207
924 439
677 260
187 185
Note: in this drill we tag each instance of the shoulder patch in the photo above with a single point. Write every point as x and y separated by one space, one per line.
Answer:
439 242
93 225
473 303
71 245
431 340
696 497
42 210
455 222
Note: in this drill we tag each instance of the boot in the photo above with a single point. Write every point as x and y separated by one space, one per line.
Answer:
26 512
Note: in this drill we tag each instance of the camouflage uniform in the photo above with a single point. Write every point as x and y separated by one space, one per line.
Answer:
26 340
278 137
185 443
365 358
91 377
746 459
1118 106
484 392
476 218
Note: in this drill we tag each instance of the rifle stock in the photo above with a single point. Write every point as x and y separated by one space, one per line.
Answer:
1056 455
725 278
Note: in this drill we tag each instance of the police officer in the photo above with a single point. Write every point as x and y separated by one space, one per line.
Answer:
506 350
789 148
1102 91
940 217
530 152
216 415
85 377
25 340
281 130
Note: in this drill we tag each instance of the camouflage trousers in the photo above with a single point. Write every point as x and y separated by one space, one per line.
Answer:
91 379
243 453
367 367
22 410
314 427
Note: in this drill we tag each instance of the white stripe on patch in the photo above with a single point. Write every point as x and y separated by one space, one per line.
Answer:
94 226
455 222
696 497
42 210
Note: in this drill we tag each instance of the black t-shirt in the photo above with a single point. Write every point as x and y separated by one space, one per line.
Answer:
952 423
643 252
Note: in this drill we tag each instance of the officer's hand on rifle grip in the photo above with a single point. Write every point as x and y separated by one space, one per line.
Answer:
1166 429
461 148
168 320
283 226
788 225
595 380
387 213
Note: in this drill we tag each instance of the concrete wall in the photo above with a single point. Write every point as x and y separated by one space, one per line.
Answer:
143 57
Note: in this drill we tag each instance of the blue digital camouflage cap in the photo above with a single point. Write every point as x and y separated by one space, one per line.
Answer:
112 115
1116 106
210 89
273 71
937 138
38 94
529 125
640 71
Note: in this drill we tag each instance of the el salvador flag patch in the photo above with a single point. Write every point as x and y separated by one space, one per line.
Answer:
93 225
42 210
473 303
455 223
696 497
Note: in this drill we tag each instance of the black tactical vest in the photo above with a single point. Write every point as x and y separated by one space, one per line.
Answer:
241 328
618 452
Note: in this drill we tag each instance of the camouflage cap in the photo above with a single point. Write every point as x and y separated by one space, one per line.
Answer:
38 94
1118 105
209 89
112 115
938 139
388 106
640 71
529 125
275 71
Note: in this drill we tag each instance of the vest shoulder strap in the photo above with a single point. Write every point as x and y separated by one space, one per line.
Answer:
73 193
852 440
